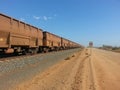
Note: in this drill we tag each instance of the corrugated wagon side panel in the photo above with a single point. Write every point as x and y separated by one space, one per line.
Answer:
19 40
5 27
57 41
14 26
33 37
4 39
40 37
52 40
18 34
5 23
49 41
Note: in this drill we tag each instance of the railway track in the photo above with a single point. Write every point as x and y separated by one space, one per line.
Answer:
4 57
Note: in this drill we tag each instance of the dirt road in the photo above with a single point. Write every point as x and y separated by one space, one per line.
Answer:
91 69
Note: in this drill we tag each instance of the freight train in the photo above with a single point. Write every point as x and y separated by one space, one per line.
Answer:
19 37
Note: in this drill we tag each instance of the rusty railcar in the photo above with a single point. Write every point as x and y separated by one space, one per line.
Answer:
73 45
17 36
76 45
51 41
70 44
65 43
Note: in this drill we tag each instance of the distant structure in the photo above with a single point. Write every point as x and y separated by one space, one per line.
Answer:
90 44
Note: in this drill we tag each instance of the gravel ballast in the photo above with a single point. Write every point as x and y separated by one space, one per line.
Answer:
24 68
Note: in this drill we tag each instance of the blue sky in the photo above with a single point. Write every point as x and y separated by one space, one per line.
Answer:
78 20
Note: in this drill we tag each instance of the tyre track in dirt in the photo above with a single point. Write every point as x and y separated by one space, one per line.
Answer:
85 78
77 84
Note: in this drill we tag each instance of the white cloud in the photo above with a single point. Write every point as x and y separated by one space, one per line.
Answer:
36 17
22 19
45 18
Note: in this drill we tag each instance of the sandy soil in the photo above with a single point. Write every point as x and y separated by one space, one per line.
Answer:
91 69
